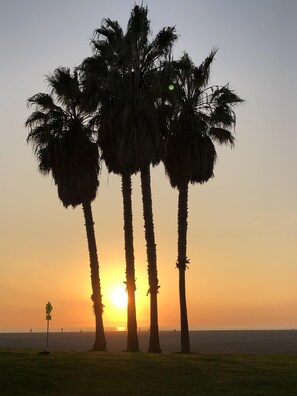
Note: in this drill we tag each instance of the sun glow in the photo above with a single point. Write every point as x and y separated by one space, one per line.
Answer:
120 328
119 297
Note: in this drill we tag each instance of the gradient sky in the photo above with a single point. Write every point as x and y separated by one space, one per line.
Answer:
242 224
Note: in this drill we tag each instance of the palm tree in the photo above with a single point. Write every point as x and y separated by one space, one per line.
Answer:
125 69
63 142
201 116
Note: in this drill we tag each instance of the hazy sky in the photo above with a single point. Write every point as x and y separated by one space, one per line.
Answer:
242 224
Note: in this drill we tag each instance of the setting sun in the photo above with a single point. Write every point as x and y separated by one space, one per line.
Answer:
119 297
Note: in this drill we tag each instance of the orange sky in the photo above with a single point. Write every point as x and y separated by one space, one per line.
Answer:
242 224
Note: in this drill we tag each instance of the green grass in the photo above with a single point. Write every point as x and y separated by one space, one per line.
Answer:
92 373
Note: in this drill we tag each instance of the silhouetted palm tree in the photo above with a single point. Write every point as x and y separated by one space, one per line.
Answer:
125 67
64 145
201 116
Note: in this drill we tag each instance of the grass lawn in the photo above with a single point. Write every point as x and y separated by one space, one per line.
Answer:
93 373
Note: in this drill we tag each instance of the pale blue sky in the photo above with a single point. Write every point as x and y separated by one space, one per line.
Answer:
243 223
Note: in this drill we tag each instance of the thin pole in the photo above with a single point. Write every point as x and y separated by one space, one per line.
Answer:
47 334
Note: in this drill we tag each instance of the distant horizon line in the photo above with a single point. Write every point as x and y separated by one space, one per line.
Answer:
143 329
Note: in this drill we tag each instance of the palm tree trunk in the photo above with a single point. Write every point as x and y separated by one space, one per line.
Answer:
182 264
154 342
132 341
100 342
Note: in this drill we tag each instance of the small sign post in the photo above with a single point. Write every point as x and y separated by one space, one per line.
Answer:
48 310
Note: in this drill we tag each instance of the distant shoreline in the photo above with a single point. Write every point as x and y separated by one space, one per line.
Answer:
142 329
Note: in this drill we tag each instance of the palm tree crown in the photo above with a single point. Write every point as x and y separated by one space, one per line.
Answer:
201 116
63 138
123 75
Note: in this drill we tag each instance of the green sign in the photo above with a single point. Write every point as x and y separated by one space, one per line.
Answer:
48 308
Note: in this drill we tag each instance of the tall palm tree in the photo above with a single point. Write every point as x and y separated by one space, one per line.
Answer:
201 116
125 67
63 142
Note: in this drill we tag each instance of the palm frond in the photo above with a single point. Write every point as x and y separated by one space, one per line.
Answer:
223 115
42 100
38 136
110 30
44 160
202 72
160 47
138 27
224 95
64 85
36 118
221 136
184 65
